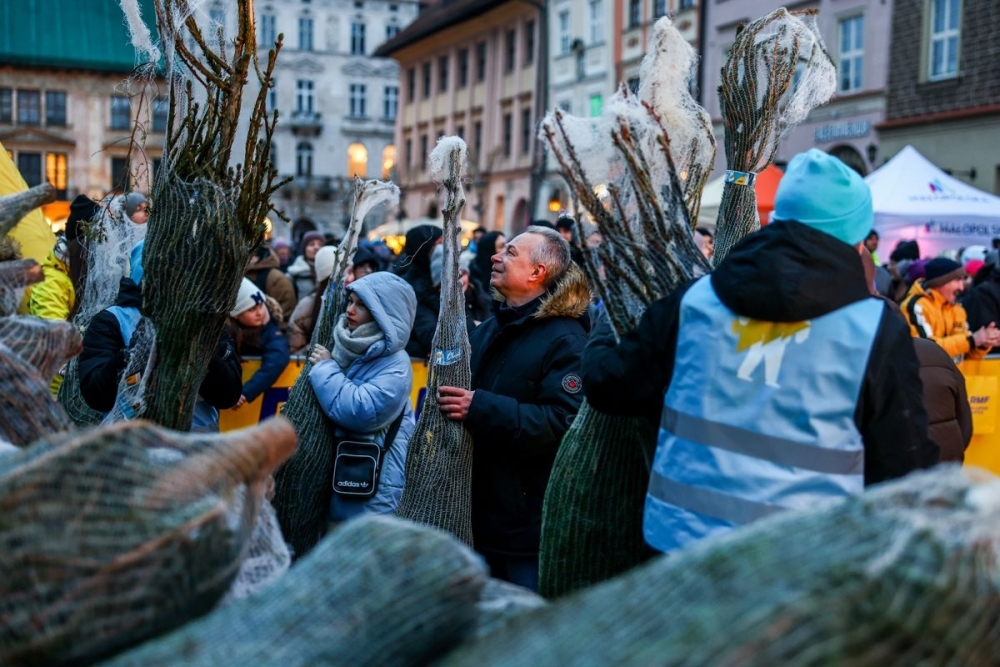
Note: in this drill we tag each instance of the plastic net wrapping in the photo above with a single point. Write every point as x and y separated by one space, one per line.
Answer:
45 345
438 486
28 410
592 515
267 556
15 206
377 591
906 574
776 72
108 240
304 485
115 534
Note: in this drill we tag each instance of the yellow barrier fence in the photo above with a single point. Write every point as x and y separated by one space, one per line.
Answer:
982 381
271 401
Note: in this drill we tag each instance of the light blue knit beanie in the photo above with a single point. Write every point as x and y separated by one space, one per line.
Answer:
820 191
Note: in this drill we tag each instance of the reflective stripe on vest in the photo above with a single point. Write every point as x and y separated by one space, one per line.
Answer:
759 418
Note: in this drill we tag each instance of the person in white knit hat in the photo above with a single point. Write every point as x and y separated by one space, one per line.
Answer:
306 313
256 332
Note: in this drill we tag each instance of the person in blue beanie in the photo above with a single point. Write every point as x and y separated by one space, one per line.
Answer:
778 382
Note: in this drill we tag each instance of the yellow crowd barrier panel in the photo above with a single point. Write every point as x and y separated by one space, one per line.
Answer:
273 400
982 382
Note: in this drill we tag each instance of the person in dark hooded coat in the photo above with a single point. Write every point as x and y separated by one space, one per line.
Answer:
414 266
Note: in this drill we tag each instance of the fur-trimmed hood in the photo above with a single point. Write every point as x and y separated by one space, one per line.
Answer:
569 298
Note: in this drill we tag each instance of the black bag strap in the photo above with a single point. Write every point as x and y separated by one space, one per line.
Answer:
393 430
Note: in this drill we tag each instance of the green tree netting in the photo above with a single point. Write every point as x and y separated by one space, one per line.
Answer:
377 591
206 215
592 515
28 410
304 485
15 276
438 487
115 534
46 345
777 70
907 574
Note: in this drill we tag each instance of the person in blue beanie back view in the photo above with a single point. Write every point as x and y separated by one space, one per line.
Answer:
778 382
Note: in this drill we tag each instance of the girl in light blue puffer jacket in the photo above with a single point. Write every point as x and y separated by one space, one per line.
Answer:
364 384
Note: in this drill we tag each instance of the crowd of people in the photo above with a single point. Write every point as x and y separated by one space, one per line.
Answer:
800 369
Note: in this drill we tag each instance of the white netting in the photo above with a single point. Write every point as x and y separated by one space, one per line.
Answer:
267 556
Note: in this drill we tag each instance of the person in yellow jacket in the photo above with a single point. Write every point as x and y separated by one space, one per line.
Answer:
53 298
932 312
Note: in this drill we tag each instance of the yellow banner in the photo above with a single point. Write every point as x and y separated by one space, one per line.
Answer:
982 381
273 400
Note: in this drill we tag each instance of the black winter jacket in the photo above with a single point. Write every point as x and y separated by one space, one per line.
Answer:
104 356
787 272
525 373
271 346
428 307
982 303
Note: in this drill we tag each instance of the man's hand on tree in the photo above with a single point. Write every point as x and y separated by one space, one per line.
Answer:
454 402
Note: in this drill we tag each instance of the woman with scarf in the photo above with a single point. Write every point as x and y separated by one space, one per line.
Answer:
363 385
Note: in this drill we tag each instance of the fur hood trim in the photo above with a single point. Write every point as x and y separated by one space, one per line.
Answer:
569 298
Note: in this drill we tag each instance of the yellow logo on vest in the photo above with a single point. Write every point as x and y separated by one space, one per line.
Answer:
765 342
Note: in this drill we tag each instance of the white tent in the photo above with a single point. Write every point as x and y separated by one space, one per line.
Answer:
913 199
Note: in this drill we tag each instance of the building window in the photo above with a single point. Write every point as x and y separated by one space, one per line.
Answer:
529 43
511 50
161 111
55 172
423 152
411 83
304 96
156 168
6 105
408 152
29 107
564 40
30 166
633 85
121 176
508 128
945 32
55 108
481 62
358 94
659 8
526 131
685 4
391 31
268 31
427 80
634 13
305 34
565 106
272 96
596 21
596 105
357 161
121 113
390 102
477 139
460 132
443 74
357 39
388 161
463 68
852 53
304 159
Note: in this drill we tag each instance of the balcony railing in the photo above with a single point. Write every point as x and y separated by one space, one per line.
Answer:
306 123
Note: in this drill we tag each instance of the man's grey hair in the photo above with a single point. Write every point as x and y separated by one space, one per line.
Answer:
553 253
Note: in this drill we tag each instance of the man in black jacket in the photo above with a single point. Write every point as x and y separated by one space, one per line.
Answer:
778 382
526 390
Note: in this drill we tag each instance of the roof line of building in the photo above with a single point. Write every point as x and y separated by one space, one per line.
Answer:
434 20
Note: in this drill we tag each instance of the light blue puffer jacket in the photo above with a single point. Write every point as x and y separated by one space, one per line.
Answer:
364 400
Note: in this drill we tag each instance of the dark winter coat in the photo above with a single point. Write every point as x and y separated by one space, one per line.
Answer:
271 346
266 274
787 272
104 357
946 401
982 304
525 374
428 306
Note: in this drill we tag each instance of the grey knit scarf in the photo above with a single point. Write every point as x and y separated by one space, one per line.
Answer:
351 345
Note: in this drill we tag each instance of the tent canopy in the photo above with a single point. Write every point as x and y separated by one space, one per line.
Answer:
765 186
913 199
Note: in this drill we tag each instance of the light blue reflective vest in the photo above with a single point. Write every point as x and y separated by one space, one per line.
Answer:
759 418
206 417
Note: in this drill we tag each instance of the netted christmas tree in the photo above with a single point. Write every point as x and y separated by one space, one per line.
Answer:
653 174
113 534
206 215
304 485
438 488
777 70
